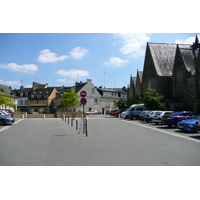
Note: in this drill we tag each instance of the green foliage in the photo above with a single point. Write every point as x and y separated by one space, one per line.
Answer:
153 100
121 103
69 99
6 101
134 100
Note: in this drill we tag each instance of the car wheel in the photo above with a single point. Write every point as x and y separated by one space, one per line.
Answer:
157 123
195 130
2 122
169 125
134 118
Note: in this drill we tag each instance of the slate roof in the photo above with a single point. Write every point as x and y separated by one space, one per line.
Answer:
79 86
163 56
41 93
5 90
188 58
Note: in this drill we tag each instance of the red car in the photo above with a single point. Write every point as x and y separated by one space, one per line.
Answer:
114 112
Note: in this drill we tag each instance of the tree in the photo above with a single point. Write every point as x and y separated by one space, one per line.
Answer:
134 100
6 101
69 99
121 103
152 100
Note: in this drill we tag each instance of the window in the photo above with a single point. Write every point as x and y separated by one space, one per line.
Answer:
21 94
95 100
26 94
44 101
21 102
26 102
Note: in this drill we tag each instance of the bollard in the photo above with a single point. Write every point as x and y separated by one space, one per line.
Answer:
43 116
65 119
76 124
22 116
71 122
68 120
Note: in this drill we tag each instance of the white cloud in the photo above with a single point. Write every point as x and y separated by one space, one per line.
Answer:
78 53
10 83
61 80
116 62
47 56
73 73
133 43
189 40
25 68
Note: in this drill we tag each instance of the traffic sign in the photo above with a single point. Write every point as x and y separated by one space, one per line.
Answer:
83 93
83 101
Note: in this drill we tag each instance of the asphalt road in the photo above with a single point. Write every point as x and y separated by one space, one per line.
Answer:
110 142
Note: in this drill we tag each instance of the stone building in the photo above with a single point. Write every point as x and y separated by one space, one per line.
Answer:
174 71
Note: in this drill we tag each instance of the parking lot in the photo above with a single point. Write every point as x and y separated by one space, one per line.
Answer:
165 129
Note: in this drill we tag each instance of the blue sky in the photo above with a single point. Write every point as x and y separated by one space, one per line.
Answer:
64 58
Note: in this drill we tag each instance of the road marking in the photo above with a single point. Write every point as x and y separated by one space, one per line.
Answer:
7 127
166 132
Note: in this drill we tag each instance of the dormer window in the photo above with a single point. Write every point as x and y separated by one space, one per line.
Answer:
21 94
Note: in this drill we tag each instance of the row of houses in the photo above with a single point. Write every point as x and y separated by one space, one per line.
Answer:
174 71
41 98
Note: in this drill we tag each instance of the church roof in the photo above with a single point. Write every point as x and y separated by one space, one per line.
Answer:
188 58
163 56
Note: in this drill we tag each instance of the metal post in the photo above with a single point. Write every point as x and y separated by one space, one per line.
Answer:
68 120
86 127
83 119
71 122
76 124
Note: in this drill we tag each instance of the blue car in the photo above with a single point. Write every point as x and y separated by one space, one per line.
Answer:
177 117
6 120
188 125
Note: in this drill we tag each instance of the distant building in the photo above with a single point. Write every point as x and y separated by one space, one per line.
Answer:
6 91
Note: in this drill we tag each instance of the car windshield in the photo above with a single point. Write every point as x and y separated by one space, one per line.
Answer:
158 113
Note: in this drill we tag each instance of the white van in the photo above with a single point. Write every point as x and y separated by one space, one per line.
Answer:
125 114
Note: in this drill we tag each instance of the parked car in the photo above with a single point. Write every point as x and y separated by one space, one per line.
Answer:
10 112
135 107
148 118
5 112
91 112
188 125
108 112
176 117
158 116
114 112
143 113
6 120
197 125
133 115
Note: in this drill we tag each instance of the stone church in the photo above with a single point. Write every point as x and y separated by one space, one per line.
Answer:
174 71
